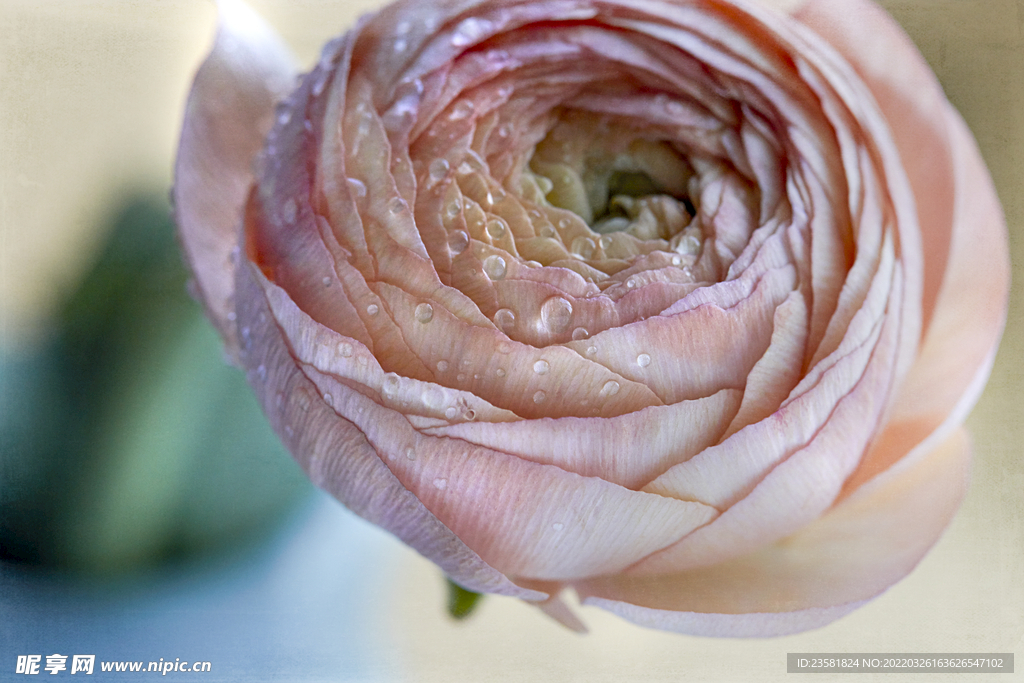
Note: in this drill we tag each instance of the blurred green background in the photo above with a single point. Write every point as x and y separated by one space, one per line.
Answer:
125 439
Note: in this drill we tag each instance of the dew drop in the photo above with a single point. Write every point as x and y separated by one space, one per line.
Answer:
372 309
556 314
451 412
345 349
505 320
580 333
591 350
494 267
442 366
329 400
262 371
454 208
631 283
356 187
424 313
539 397
363 360
582 247
396 205
470 30
326 281
438 170
457 242
563 223
500 372
677 260
400 45
441 484
541 367
433 398
469 415
460 110
289 211
391 383
410 454
504 130
605 241
643 360
557 526
496 228
610 388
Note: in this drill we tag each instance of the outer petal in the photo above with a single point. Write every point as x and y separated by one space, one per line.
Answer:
228 114
861 547
338 456
967 268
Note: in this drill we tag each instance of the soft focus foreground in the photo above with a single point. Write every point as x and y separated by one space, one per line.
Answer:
670 304
60 163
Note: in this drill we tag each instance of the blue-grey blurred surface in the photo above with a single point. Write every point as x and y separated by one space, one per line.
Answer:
307 606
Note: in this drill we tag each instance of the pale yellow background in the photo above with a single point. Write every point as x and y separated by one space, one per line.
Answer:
90 99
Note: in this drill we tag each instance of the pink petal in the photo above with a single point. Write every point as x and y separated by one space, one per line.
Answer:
861 547
229 112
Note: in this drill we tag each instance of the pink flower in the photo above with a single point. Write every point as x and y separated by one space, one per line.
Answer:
678 304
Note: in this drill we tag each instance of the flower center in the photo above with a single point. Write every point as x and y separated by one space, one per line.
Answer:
616 180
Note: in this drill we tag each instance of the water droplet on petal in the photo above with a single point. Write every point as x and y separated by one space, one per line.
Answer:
505 347
400 45
631 283
580 333
454 208
424 313
563 223
433 398
643 360
326 281
451 412
356 187
329 400
458 241
556 314
410 454
505 320
460 110
494 267
557 526
610 388
262 371
442 366
372 309
438 170
541 367
605 241
591 350
500 372
441 484
496 228
539 397
391 383
582 247
470 30
345 349
396 205
469 415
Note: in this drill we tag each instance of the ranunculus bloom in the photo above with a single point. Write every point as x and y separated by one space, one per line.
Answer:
680 304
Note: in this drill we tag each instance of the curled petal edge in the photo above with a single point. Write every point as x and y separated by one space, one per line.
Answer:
227 117
862 546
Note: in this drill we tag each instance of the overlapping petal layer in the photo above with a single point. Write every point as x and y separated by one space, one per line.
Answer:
616 295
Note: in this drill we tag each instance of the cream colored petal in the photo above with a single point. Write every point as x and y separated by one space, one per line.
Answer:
858 549
229 111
